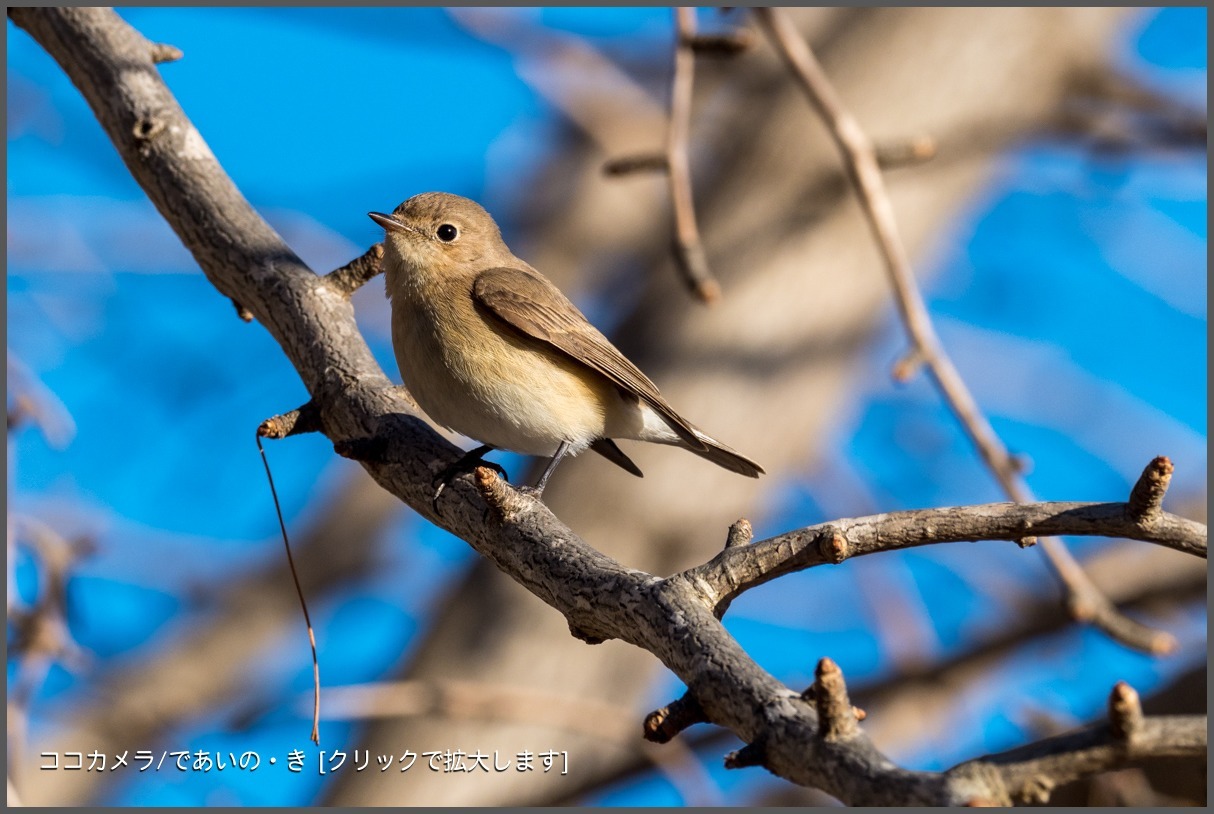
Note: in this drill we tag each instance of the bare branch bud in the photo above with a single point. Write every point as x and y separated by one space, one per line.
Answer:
294 422
908 365
662 725
833 546
163 52
1146 498
359 271
836 715
753 754
1125 712
740 534
912 151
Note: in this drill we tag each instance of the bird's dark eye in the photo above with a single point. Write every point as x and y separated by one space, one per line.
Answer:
447 233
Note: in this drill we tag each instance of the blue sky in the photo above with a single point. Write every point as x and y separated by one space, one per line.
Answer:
1061 270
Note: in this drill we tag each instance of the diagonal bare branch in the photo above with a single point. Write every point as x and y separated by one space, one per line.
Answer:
672 618
1083 599
689 249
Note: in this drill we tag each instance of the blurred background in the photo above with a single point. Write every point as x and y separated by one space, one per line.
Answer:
1060 234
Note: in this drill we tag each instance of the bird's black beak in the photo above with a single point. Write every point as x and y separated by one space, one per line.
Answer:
389 223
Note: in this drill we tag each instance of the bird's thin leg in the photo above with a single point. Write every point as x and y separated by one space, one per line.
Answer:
561 451
467 462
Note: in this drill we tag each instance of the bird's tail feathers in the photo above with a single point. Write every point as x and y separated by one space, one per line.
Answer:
607 448
659 429
725 457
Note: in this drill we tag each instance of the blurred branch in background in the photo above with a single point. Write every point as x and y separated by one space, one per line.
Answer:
32 403
1118 115
38 630
40 633
689 250
1082 598
692 262
1031 773
206 668
604 102
454 699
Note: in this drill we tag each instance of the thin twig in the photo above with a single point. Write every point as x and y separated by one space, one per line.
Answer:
636 163
162 52
691 259
906 153
40 635
298 590
1083 599
1117 114
303 419
689 250
664 723
359 271
34 401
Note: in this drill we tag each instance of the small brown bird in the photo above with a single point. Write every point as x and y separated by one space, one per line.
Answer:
493 350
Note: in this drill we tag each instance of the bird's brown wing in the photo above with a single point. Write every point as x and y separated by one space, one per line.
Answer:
532 305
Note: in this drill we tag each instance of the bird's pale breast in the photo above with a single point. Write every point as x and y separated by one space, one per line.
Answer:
483 380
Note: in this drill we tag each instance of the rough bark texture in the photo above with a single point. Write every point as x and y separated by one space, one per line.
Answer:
738 569
771 267
802 288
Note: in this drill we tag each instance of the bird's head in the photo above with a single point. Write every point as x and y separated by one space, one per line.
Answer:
437 233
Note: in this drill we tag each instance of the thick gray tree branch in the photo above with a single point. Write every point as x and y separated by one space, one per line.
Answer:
313 321
901 71
899 703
